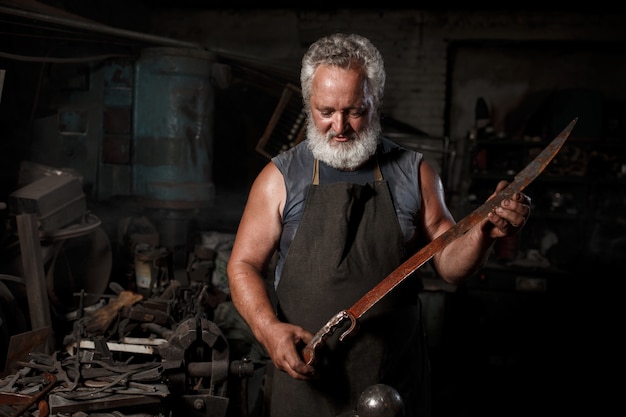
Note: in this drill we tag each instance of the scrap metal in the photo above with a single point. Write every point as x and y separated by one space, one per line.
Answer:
127 361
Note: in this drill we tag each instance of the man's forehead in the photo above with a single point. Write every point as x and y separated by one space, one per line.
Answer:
342 90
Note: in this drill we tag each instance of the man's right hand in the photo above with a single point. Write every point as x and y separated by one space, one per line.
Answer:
284 342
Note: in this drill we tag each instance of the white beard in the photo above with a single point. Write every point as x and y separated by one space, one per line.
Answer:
343 155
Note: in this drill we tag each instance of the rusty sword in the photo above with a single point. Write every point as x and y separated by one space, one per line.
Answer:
416 261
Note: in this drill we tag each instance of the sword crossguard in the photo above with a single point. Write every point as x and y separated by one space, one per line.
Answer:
308 353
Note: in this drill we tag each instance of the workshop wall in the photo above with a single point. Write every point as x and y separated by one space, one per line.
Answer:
420 50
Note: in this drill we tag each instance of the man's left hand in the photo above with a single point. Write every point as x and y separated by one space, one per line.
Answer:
511 215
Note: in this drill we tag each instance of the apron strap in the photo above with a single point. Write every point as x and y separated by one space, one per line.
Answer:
378 174
316 172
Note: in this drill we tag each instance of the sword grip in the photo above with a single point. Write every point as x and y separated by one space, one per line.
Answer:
308 353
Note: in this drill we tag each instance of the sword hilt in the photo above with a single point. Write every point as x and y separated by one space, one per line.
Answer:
308 353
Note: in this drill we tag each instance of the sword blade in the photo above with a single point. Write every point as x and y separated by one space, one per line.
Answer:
519 183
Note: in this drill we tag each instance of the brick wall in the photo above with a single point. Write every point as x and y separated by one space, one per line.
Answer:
414 43
426 85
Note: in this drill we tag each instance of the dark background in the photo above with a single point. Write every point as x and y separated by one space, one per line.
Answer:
497 348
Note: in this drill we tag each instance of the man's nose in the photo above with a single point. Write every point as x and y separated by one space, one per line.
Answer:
340 122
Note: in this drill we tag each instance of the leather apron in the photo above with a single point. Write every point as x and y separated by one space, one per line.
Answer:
349 239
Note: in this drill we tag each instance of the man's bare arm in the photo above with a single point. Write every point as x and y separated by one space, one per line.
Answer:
464 256
256 241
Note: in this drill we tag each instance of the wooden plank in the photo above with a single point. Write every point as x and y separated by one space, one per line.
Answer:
34 275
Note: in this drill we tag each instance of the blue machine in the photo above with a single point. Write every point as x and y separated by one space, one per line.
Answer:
173 128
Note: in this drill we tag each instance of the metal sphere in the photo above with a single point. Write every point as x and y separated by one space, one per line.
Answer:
380 400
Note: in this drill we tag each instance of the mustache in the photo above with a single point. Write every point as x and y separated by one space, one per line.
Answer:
332 133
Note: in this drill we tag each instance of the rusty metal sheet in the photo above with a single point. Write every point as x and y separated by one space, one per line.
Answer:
20 345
